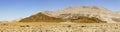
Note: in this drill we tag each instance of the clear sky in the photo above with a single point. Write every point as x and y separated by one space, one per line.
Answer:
13 9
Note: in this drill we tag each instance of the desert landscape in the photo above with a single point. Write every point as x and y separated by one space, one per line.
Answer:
71 19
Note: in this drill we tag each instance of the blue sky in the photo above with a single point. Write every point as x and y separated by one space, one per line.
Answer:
14 9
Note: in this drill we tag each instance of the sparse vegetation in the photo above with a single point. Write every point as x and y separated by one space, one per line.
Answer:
24 26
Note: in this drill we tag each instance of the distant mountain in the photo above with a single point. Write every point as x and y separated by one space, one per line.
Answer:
40 17
93 11
117 19
78 14
118 12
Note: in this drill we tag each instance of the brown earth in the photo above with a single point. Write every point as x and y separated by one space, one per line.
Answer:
44 18
40 18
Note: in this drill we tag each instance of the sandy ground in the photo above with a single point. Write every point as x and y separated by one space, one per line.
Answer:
58 27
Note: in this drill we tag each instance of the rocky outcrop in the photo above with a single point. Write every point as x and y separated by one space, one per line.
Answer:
80 18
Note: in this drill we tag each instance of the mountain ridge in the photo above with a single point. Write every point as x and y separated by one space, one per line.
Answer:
87 12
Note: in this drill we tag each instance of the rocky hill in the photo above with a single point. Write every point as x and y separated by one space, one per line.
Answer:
39 17
79 14
90 11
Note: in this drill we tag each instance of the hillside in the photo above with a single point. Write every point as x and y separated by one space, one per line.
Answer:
80 14
39 17
93 11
